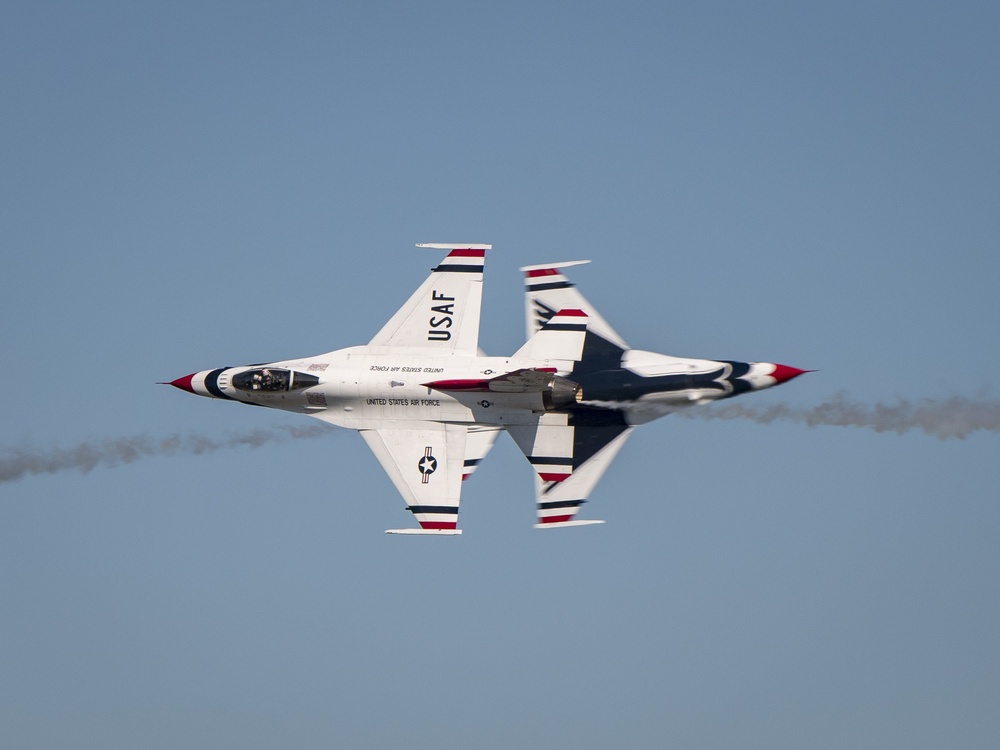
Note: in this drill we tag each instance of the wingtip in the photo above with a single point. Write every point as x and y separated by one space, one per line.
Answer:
424 532
554 266
455 245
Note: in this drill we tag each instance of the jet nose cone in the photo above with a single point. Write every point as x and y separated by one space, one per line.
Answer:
784 373
183 383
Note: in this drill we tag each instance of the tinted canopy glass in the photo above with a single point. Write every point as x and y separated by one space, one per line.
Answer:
272 379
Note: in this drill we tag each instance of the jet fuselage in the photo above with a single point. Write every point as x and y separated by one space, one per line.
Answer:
430 405
357 389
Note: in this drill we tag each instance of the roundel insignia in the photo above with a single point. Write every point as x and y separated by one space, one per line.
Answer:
427 465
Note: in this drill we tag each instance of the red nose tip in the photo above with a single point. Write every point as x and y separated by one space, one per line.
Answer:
783 373
183 383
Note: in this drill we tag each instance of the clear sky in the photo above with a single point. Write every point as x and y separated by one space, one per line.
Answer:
192 185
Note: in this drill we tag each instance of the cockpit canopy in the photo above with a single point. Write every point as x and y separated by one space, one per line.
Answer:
273 380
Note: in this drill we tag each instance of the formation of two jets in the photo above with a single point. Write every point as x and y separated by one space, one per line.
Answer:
430 405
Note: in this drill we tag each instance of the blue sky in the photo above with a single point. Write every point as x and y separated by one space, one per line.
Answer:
185 186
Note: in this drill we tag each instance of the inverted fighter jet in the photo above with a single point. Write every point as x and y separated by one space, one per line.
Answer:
430 404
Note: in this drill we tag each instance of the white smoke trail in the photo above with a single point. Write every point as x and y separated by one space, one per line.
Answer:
16 463
955 417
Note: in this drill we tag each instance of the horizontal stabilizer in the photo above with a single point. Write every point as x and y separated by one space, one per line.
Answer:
425 532
560 524
561 338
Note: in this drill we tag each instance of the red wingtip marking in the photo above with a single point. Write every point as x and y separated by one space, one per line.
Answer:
541 272
553 477
784 373
555 519
438 524
572 313
183 383
467 254
466 476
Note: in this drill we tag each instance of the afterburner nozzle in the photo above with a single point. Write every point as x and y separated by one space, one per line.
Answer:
561 393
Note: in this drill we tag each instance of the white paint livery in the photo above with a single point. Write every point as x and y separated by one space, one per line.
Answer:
429 404
561 338
548 291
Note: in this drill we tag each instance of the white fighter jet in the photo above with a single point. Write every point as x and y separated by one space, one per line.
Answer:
430 404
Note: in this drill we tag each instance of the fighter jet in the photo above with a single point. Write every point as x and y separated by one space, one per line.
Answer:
430 404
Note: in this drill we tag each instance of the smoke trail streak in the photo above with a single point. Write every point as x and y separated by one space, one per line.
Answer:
16 463
955 417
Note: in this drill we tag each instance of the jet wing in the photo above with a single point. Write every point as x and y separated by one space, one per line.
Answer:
426 462
569 452
442 316
547 291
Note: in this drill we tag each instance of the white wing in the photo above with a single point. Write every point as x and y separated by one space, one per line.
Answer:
558 502
547 291
426 461
442 316
569 453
